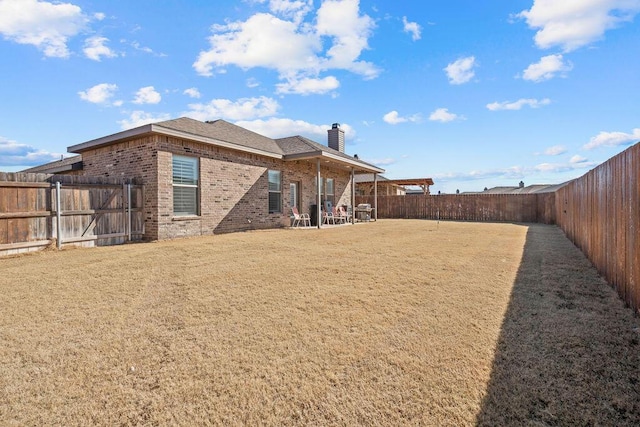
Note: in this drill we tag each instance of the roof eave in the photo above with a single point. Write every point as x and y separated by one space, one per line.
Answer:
110 139
156 129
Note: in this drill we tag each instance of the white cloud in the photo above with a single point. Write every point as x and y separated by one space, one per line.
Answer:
147 95
613 139
252 82
565 167
516 172
280 128
99 94
295 10
283 42
443 115
393 118
350 31
308 86
99 16
242 109
95 47
517 105
262 41
45 25
576 23
461 71
547 68
556 150
140 118
412 27
192 92
577 159
137 46
13 153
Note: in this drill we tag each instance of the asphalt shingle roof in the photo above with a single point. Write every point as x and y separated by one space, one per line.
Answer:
224 131
64 165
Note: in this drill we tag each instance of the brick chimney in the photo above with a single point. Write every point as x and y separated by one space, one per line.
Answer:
336 137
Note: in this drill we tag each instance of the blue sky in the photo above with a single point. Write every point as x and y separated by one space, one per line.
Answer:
472 94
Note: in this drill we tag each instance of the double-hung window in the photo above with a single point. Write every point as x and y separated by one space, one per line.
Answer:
185 185
275 191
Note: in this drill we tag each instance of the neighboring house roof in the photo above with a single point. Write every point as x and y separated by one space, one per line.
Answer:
224 134
530 189
64 165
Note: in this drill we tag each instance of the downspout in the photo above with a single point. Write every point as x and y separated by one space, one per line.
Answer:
375 195
318 201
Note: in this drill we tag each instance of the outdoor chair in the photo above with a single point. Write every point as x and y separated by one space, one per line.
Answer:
328 218
340 215
299 218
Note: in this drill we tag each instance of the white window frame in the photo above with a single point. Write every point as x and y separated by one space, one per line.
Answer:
275 189
184 181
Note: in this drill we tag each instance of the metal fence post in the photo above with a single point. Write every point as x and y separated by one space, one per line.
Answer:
58 216
129 212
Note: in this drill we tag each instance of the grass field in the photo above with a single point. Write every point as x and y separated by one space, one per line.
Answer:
397 322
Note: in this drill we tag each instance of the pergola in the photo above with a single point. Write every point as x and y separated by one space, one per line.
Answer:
423 183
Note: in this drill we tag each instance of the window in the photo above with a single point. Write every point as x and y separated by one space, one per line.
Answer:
293 194
330 191
185 185
327 189
275 192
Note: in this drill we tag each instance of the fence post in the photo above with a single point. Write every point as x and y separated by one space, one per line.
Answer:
129 211
58 216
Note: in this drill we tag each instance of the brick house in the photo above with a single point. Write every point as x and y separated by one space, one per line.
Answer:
212 177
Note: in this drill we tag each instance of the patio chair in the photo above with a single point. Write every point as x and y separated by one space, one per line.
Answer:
299 218
328 218
339 215
345 214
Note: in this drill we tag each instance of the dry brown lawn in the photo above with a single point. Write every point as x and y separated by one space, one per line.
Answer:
398 322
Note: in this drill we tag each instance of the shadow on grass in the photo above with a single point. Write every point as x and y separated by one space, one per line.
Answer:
568 352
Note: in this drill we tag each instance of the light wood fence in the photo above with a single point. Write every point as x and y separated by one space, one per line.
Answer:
40 210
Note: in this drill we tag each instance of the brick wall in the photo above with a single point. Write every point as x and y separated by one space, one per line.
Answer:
233 186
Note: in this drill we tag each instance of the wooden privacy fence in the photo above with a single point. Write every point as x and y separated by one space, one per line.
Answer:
600 213
468 207
40 210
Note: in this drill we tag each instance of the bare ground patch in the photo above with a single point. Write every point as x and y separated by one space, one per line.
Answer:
394 322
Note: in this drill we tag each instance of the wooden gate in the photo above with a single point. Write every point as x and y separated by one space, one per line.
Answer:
38 210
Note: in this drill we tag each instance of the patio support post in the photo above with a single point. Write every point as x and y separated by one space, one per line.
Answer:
375 195
353 197
318 201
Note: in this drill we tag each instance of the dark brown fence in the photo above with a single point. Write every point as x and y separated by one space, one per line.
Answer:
93 211
468 207
600 213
